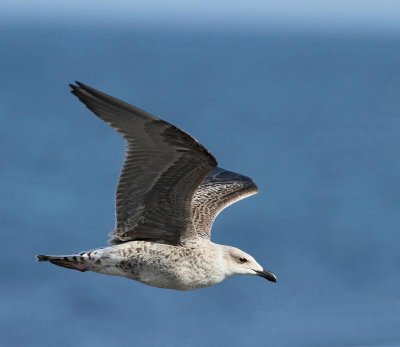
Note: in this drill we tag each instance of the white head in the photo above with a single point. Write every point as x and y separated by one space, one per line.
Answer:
241 263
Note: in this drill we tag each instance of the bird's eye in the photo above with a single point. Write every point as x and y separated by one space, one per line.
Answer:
242 260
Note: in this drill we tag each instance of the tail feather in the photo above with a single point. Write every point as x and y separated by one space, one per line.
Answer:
74 262
42 258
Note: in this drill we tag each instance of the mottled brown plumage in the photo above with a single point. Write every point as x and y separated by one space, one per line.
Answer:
169 193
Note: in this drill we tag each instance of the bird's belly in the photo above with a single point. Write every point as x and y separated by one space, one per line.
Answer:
180 276
176 281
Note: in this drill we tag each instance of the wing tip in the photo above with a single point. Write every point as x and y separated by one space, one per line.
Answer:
84 93
75 88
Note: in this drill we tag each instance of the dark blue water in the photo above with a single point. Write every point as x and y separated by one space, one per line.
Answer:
313 119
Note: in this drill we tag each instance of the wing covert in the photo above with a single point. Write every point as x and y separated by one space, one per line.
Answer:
220 189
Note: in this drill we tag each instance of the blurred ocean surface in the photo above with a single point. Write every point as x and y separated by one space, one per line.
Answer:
314 119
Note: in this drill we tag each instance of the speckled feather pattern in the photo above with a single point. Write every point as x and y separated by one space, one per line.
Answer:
169 193
167 266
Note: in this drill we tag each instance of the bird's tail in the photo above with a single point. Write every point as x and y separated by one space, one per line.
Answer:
75 262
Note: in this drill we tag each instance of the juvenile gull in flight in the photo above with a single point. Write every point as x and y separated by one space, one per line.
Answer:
169 193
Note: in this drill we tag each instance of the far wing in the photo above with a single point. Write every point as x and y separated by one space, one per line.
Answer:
162 169
220 189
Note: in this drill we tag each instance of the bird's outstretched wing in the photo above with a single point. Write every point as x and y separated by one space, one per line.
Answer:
163 167
219 189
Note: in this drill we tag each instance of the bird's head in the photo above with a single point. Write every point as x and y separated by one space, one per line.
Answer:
241 263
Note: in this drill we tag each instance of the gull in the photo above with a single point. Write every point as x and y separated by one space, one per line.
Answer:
169 192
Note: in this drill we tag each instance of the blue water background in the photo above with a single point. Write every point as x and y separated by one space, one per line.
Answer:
313 118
